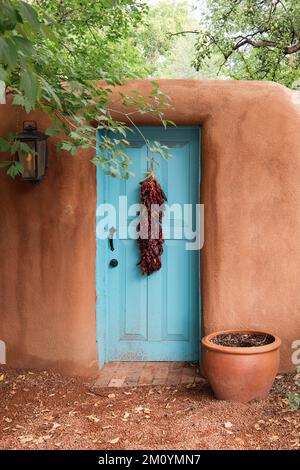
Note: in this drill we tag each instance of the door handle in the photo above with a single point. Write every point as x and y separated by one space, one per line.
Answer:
112 231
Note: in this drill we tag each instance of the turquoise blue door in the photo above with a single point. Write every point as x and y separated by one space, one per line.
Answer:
154 318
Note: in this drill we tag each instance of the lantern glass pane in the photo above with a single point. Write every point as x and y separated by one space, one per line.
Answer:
29 161
41 155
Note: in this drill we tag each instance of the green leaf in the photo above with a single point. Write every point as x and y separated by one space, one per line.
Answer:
23 45
25 148
10 137
294 400
95 161
8 17
49 32
65 145
29 14
55 132
50 91
14 147
29 85
15 169
27 105
3 74
19 100
8 54
4 145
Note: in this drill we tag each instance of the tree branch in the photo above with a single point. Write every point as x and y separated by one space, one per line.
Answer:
183 32
295 30
265 43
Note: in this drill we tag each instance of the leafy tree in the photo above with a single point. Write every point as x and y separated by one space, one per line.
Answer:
257 39
153 35
168 54
52 56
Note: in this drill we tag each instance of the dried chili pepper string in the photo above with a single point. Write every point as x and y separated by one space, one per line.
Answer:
151 249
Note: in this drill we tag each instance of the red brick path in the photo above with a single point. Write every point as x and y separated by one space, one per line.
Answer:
131 374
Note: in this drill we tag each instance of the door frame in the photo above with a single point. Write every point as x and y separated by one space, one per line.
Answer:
101 260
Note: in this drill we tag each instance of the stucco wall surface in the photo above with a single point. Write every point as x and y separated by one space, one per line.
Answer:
47 261
251 257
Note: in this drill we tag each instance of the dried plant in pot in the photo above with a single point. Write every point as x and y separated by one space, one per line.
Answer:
240 365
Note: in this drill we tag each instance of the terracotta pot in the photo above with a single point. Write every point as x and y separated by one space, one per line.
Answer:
240 373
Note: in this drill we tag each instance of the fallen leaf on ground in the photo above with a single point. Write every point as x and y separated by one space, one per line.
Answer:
92 394
93 418
274 438
138 409
114 441
41 439
25 439
228 425
49 418
55 426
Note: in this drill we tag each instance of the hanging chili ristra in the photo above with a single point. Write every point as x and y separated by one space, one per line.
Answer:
151 248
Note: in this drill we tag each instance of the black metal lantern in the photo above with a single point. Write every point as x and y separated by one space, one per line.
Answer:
35 162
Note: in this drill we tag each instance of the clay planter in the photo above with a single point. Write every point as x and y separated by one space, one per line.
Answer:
240 373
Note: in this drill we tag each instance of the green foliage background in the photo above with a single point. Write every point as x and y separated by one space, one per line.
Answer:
52 56
54 52
256 39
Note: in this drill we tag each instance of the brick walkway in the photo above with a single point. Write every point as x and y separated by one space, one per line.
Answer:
131 374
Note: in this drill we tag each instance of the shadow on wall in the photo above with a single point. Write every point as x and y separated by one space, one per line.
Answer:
2 352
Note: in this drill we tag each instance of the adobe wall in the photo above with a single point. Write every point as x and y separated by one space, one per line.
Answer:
251 256
47 262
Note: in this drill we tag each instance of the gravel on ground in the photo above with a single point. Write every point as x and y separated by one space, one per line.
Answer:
45 410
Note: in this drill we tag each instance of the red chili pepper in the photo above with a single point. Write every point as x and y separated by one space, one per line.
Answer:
151 249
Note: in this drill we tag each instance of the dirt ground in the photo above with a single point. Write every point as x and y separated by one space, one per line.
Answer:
43 410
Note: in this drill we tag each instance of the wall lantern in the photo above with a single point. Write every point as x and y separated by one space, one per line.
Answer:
35 162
